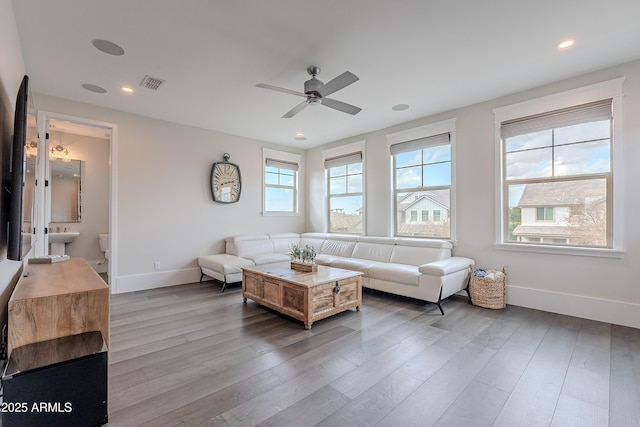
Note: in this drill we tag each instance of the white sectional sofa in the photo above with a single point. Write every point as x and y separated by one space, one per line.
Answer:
418 268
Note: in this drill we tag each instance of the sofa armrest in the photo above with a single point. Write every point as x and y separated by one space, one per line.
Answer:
446 266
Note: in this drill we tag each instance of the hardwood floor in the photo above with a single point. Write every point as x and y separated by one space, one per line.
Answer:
192 356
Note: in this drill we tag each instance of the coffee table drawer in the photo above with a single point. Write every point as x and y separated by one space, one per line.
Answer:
348 294
335 295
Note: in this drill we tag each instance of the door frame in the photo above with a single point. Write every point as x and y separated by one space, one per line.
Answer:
42 197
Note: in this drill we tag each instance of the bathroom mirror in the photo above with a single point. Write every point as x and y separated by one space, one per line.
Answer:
66 190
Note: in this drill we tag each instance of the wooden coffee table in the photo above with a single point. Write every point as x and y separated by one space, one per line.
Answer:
306 296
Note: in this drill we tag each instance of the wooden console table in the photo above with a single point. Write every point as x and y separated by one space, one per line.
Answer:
58 300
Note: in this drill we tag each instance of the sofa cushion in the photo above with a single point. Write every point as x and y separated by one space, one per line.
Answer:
324 259
446 266
224 263
397 273
313 239
247 246
260 259
354 264
380 252
415 255
341 248
282 242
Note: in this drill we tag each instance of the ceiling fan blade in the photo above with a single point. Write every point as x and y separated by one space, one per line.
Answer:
295 110
340 106
343 80
280 89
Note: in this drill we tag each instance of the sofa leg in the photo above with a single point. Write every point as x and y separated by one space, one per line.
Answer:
201 276
224 285
439 301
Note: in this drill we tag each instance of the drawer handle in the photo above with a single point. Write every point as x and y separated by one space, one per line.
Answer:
337 289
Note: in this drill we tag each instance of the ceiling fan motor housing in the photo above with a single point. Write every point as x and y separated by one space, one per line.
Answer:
312 86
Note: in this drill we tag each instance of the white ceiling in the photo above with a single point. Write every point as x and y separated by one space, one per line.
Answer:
431 55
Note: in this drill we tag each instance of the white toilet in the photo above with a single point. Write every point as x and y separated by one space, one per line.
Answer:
103 241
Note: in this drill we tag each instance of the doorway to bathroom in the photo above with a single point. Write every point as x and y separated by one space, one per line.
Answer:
77 166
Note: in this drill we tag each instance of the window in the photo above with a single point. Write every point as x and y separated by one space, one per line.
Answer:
345 193
557 169
422 181
280 182
544 214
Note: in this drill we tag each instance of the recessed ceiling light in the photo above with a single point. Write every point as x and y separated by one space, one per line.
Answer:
127 89
399 107
94 88
566 44
108 47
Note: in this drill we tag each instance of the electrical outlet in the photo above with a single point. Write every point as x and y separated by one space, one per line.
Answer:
156 265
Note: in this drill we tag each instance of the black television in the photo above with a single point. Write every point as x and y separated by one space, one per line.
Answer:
17 165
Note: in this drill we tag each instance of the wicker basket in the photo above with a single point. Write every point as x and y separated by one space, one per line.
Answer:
488 293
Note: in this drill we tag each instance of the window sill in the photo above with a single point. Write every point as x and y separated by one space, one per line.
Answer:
558 250
280 213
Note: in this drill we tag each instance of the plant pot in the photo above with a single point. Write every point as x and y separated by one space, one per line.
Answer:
303 266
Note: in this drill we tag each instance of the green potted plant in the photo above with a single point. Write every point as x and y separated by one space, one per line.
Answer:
303 259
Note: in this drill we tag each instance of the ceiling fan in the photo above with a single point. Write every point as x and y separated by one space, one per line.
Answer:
316 92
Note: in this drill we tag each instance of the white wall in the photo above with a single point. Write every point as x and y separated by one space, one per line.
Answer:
11 60
597 288
165 211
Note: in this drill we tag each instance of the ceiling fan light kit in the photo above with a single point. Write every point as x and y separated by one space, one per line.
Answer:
315 92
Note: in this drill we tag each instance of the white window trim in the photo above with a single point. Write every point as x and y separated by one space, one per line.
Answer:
607 89
445 126
284 156
343 150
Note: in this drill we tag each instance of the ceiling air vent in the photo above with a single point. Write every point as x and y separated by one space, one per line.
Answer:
152 83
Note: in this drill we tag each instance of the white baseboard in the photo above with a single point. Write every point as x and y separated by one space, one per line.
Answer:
157 279
616 312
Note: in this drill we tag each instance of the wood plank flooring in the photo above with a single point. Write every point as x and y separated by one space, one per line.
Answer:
190 355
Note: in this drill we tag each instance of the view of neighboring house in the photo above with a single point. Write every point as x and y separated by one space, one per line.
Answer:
554 212
423 210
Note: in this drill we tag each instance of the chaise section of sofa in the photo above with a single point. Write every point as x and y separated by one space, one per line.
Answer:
245 251
417 268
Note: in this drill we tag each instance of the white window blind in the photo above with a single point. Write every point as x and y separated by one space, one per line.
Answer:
343 160
282 165
419 144
593 111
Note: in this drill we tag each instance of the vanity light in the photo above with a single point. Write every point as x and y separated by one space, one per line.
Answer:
59 148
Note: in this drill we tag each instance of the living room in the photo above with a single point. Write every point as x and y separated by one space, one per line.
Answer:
162 211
